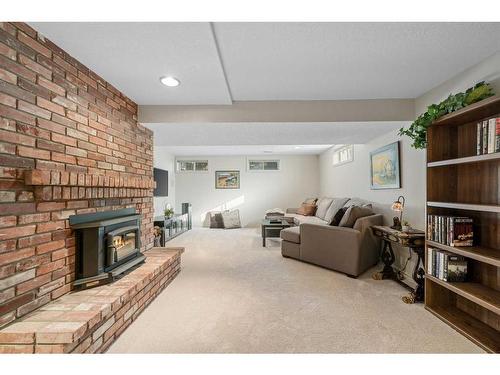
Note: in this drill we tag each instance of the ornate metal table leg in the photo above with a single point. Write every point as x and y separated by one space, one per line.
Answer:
419 277
388 258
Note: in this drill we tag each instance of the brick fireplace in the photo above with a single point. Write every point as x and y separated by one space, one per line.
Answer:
69 144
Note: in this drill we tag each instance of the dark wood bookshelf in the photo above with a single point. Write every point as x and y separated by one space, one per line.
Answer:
461 183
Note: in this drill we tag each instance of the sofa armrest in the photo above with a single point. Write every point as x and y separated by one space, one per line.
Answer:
365 223
291 210
331 247
369 243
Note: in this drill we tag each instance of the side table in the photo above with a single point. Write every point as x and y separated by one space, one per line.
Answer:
415 240
269 225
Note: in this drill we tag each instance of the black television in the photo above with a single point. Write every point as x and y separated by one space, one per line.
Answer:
161 178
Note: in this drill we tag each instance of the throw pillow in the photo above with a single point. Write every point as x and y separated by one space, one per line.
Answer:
310 200
336 205
338 216
307 209
353 213
231 219
323 205
216 220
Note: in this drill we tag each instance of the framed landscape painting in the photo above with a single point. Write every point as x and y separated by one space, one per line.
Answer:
384 167
227 179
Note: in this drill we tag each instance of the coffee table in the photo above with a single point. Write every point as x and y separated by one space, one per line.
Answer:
271 229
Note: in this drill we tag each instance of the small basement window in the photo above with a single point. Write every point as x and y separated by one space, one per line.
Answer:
192 165
263 165
344 154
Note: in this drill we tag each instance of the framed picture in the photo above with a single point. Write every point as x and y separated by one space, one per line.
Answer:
385 168
227 179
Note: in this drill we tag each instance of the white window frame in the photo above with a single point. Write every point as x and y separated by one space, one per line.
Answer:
178 170
263 160
346 152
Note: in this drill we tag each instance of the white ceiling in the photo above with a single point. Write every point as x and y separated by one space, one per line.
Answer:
246 150
313 61
133 57
275 61
256 134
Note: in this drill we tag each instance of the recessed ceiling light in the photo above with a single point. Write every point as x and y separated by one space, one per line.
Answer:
170 81
297 147
267 152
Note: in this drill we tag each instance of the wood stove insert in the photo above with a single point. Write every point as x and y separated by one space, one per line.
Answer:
107 244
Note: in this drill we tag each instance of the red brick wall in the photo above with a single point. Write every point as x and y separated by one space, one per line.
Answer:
57 115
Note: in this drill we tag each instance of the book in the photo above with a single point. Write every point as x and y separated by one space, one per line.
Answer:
491 135
429 260
497 134
463 232
479 139
457 268
485 137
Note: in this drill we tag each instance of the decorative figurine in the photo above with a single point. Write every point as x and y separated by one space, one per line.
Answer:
396 223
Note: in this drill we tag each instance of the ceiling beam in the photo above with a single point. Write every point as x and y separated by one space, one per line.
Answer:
283 111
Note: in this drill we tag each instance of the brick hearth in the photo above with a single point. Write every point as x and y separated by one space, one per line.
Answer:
69 144
89 321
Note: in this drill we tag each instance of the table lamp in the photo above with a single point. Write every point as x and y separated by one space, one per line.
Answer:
398 206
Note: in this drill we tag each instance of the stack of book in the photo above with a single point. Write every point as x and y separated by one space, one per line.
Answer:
446 266
488 136
450 230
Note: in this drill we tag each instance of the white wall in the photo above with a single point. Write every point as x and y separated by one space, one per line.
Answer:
353 179
164 160
487 70
259 191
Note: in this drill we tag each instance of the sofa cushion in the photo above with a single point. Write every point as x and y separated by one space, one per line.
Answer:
353 213
301 219
323 205
356 202
336 205
307 209
291 234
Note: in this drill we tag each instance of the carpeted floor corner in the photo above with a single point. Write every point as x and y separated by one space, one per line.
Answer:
234 296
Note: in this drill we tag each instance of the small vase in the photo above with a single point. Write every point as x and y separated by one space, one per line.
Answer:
405 228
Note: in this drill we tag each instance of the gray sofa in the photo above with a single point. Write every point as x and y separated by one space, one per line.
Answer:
348 250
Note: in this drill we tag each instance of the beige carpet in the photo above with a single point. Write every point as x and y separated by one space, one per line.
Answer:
234 296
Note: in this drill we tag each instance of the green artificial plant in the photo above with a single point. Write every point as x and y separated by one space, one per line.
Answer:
418 129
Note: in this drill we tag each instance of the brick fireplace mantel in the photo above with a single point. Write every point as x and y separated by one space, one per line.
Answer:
40 177
55 185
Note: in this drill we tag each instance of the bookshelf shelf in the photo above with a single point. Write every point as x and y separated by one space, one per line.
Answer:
465 160
466 206
484 108
482 334
462 183
476 292
482 254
